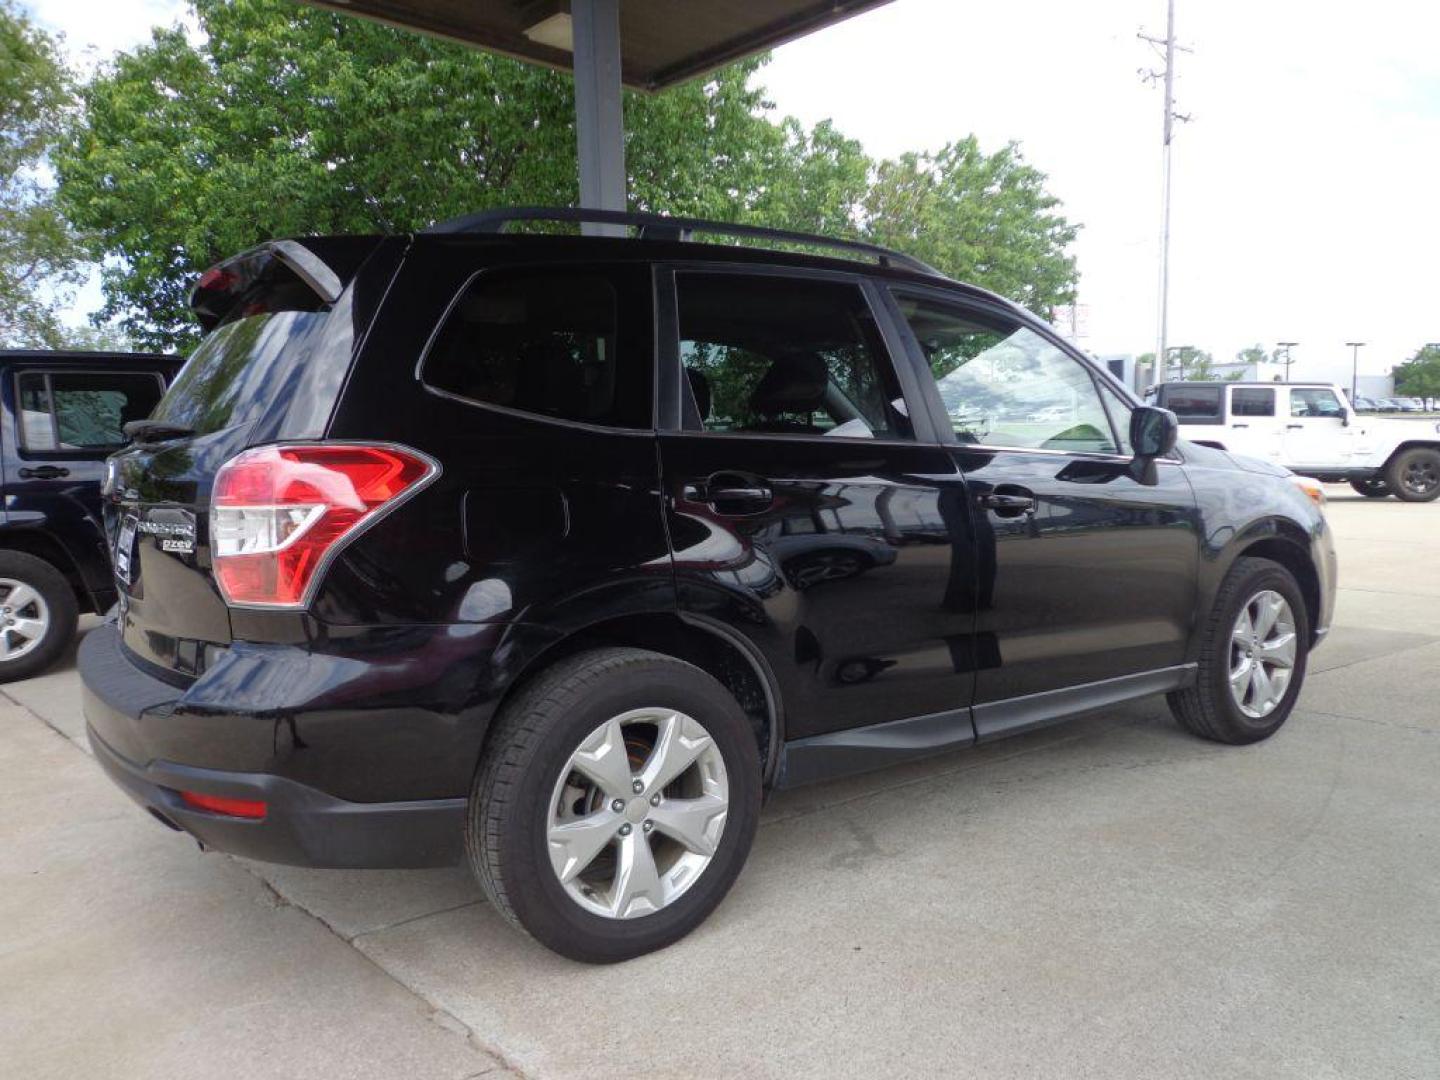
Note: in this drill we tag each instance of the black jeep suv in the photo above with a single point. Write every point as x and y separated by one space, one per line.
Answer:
557 552
61 413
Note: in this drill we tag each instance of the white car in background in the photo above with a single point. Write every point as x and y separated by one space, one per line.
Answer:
1311 429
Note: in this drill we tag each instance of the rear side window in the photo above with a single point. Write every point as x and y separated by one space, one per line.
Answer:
1248 402
74 411
1193 404
561 343
778 356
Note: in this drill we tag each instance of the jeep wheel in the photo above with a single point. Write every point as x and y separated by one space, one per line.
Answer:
37 615
1252 659
1415 474
615 804
1373 487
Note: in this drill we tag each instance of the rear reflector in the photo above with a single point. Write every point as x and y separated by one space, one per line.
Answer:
280 513
241 808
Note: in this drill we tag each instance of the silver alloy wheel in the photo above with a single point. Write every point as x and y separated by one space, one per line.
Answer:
637 813
24 619
1262 654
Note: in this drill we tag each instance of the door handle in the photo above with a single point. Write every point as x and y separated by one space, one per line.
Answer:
1237 426
737 493
44 472
1007 504
1294 427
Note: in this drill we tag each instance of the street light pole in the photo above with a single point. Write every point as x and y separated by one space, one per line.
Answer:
1287 346
1355 347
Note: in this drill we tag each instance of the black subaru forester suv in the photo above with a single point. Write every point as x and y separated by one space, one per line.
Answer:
557 552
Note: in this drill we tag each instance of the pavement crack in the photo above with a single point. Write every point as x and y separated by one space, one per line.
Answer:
412 918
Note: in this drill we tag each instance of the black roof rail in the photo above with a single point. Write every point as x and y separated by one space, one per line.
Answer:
664 227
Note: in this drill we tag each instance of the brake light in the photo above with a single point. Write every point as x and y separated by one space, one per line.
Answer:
218 804
278 514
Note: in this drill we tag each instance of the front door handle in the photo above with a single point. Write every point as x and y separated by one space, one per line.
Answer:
738 493
1237 426
1008 504
1294 427
44 472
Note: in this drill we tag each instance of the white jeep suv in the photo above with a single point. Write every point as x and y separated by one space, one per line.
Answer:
1311 429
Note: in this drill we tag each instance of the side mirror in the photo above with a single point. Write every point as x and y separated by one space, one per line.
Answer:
1153 432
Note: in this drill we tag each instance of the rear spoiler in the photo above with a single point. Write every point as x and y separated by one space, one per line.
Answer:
323 265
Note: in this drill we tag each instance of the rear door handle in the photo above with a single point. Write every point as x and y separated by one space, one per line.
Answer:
44 472
1239 425
1294 427
1005 504
738 493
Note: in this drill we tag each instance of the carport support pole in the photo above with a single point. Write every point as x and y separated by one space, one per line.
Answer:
599 121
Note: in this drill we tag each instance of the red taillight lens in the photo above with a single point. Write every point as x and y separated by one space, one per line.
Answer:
277 512
217 804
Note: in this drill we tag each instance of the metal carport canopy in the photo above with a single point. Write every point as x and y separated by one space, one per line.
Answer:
643 44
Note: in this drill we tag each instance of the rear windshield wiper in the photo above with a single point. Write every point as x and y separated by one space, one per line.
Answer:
155 430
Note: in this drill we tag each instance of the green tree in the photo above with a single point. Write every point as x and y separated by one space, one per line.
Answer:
1190 364
1420 375
39 255
1255 355
982 218
287 120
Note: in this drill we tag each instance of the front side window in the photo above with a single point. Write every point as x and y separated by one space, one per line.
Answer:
1252 402
71 412
560 343
784 356
1002 384
1315 404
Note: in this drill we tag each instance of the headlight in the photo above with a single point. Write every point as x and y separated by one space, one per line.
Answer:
1313 488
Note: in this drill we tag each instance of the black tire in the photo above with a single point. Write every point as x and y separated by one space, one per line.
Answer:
532 741
1373 487
1207 708
1414 475
59 606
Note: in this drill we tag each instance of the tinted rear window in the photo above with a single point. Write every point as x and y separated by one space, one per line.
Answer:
1193 402
234 376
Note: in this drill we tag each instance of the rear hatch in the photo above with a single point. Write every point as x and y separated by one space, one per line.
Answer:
281 323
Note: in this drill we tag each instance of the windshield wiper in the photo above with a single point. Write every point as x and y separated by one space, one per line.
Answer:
155 430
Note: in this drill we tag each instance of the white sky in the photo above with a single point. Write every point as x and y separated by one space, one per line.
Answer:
1305 188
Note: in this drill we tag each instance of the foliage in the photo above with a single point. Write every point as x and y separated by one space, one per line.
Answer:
39 256
287 120
986 219
1255 355
1192 364
1420 375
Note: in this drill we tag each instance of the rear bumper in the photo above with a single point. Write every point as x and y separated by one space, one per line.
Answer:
302 826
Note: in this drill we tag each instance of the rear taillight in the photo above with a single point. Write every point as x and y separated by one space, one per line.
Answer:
279 513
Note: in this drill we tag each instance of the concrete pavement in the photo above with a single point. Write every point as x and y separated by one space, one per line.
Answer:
1105 898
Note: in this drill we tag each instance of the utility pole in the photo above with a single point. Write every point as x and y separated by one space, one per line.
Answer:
1355 347
1167 77
1287 346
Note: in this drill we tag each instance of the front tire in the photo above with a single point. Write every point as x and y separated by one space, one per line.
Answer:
1374 487
37 615
1252 658
1414 475
615 805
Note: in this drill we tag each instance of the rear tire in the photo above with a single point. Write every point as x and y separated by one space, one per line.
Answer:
1213 707
529 785
1374 487
1414 475
37 615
